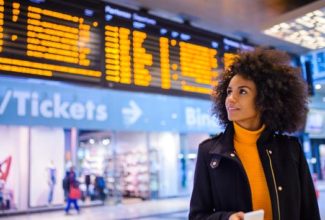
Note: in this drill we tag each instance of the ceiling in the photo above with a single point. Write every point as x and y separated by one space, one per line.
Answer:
241 19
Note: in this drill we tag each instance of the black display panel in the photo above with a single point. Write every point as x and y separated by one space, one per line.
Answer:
52 39
107 45
148 52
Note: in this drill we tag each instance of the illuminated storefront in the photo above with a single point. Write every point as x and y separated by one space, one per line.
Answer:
139 150
314 66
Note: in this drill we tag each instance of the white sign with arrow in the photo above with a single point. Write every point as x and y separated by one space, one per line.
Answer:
131 113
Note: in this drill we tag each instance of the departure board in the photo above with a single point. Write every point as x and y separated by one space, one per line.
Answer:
230 50
110 46
147 52
53 39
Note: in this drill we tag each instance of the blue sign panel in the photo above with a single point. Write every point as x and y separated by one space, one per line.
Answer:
320 60
317 59
37 102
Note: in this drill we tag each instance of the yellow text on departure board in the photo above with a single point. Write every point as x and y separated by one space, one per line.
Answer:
228 59
198 63
118 57
48 40
117 54
165 63
42 69
58 42
141 60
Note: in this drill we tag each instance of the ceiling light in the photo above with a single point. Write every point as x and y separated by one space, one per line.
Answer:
191 156
318 86
313 160
106 141
304 26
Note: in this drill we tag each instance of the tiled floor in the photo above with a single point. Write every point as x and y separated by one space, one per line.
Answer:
156 209
173 216
168 209
170 216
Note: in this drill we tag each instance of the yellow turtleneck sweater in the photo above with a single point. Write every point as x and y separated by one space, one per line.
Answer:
246 148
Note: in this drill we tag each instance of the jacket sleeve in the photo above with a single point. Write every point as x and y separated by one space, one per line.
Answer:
201 205
309 206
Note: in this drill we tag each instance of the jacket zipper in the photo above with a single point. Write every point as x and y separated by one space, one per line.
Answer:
275 186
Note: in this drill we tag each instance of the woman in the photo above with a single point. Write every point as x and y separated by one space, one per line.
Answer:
253 165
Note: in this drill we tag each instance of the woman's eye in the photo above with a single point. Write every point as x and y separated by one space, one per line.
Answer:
242 91
228 92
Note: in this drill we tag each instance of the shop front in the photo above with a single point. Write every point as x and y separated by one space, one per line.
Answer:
124 146
314 147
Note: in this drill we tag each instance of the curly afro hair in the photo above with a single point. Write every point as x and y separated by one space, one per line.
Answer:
282 97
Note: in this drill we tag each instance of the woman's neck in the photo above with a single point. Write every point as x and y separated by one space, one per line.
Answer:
243 135
250 126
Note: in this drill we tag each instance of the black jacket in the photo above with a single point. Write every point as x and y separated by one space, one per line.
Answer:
221 186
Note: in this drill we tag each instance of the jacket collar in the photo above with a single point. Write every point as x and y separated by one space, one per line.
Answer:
225 144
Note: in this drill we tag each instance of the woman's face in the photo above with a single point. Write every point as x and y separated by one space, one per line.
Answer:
240 103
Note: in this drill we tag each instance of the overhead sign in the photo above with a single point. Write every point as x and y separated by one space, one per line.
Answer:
29 104
39 102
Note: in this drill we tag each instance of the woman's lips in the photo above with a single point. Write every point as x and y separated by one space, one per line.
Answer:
232 109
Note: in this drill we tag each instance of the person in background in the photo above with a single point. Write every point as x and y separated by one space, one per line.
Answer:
66 185
100 186
87 183
71 185
253 164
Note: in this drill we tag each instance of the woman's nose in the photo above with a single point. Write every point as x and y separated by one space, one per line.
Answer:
231 97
